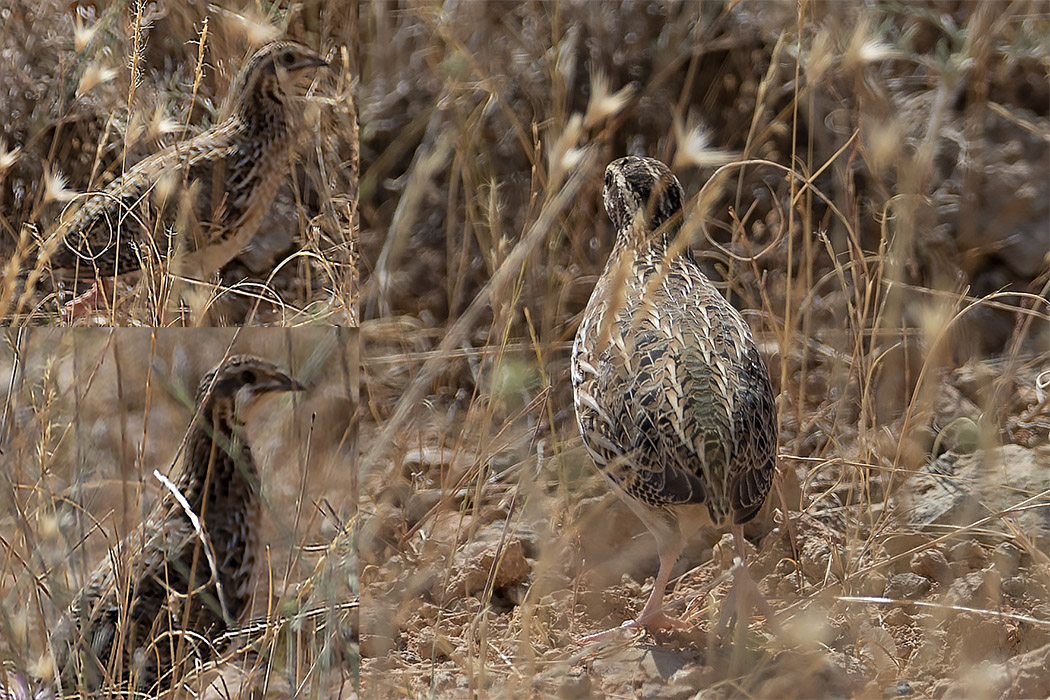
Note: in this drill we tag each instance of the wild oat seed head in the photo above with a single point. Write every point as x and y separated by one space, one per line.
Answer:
94 75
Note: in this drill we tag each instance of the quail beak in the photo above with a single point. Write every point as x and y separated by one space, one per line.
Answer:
282 382
311 61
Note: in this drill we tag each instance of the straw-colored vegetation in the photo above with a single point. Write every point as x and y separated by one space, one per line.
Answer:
89 89
87 418
869 184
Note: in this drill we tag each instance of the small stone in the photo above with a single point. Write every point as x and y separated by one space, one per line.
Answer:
378 628
975 589
575 686
768 584
474 564
430 645
1015 587
1006 557
932 564
979 640
897 617
906 587
970 552
690 677
900 689
874 584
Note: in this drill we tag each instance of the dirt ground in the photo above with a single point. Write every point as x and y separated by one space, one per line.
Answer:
944 593
896 283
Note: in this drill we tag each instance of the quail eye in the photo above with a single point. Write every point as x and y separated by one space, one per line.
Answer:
608 180
247 377
287 58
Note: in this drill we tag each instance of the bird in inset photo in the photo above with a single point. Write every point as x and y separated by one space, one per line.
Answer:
672 399
170 589
198 202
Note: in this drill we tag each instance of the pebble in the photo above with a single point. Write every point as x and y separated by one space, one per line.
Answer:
575 686
970 552
907 586
932 564
900 689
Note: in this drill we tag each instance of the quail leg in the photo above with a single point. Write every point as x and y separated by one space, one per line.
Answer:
744 596
85 303
652 616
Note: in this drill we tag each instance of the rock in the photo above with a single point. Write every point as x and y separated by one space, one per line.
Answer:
897 616
813 675
616 541
976 589
575 686
958 490
969 552
933 649
428 644
932 564
657 691
473 564
448 528
690 677
816 542
378 629
1024 676
975 638
900 689
1028 675
899 544
1006 557
650 668
1015 587
906 586
724 552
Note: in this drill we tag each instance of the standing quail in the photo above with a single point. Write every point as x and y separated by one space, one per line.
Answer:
206 195
140 602
672 399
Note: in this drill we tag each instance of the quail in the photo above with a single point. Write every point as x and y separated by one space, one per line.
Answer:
209 192
672 399
171 588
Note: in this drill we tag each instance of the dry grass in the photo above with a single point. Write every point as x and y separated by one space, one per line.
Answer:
869 185
88 91
88 416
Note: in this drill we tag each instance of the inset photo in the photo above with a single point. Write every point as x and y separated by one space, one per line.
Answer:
178 164
178 512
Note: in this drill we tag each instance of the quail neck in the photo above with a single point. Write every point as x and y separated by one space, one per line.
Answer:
644 203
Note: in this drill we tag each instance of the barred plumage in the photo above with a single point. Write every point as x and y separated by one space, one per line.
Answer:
672 399
211 190
144 600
